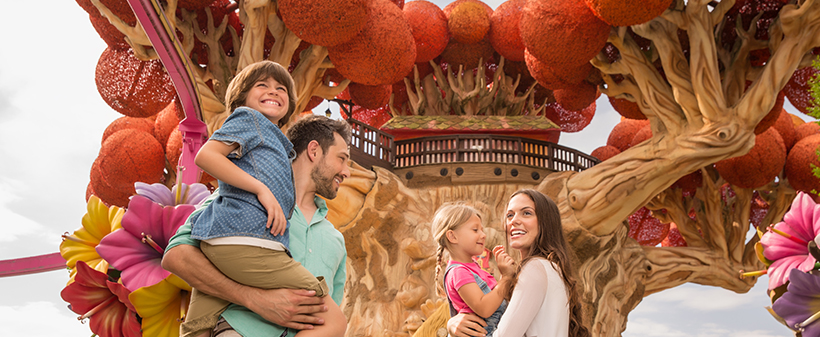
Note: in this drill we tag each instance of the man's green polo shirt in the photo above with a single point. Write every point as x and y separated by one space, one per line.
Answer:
318 245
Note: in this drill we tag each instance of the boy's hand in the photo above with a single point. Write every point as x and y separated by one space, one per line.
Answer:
506 264
276 218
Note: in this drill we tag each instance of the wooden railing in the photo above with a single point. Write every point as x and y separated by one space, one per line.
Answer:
490 148
370 146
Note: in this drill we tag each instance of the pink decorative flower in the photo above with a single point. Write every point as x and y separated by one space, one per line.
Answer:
159 193
136 249
786 243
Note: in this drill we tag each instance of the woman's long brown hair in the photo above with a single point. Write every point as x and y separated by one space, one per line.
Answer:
550 244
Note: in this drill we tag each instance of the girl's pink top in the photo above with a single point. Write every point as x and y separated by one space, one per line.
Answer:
458 277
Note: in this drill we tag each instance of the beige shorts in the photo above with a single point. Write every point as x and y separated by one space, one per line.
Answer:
252 266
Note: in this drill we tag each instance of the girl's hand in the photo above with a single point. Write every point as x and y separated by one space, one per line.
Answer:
506 264
276 218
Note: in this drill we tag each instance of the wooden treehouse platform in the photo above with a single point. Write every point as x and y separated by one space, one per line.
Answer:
463 158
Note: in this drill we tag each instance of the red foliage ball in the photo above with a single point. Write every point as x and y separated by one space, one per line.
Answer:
505 31
173 148
626 108
799 164
674 238
568 120
797 89
429 26
369 96
132 87
110 34
758 210
313 103
562 33
382 53
785 127
576 97
758 167
219 10
109 195
193 5
627 13
125 122
167 121
647 229
622 134
327 23
605 152
400 96
372 117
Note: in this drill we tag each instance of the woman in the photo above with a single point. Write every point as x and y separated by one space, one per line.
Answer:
544 299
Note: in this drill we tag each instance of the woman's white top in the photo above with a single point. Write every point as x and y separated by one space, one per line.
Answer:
539 305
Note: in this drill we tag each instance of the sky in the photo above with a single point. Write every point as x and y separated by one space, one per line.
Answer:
51 123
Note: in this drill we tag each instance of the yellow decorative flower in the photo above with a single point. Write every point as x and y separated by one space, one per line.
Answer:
99 221
162 306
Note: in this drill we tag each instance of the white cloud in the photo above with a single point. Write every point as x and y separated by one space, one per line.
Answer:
35 319
703 298
643 327
13 225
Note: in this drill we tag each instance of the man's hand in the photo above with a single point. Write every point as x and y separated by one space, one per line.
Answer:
290 308
466 325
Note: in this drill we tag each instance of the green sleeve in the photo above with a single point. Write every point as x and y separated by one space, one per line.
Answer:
339 280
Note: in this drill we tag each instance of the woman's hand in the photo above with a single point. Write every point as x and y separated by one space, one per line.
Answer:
276 218
466 325
506 264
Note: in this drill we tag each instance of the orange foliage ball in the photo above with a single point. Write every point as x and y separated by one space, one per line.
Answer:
125 122
132 87
622 134
173 148
758 167
568 120
555 78
369 96
468 22
505 31
129 156
785 127
605 152
562 34
429 26
108 194
799 164
167 121
576 97
382 53
643 134
627 13
325 23
468 55
772 116
797 89
805 130
626 108
449 8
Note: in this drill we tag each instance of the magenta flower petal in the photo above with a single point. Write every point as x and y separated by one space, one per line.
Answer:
137 248
801 301
779 270
777 247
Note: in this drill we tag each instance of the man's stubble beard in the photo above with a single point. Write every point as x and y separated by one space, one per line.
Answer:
323 179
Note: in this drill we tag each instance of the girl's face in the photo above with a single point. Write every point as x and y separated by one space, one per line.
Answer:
522 223
270 98
470 237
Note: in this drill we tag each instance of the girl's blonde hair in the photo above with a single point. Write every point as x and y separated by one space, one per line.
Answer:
237 91
448 217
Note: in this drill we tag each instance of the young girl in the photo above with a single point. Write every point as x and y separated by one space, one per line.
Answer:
457 229
250 156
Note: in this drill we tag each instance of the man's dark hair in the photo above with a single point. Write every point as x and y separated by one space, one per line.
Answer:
318 128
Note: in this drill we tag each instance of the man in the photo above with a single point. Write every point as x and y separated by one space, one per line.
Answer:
320 166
